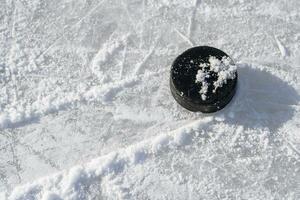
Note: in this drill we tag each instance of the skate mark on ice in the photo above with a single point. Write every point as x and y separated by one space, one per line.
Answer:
283 50
185 38
65 183
191 25
292 147
123 61
140 66
40 156
73 26
15 159
131 21
31 113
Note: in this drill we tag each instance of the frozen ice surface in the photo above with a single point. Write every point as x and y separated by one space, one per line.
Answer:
86 111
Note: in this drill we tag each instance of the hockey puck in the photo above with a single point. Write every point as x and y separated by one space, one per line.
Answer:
203 79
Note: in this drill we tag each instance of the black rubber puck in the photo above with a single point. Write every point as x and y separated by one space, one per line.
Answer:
203 79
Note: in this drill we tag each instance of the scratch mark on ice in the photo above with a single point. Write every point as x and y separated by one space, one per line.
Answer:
294 149
186 39
18 116
192 18
237 134
283 50
123 61
140 65
65 183
40 155
63 34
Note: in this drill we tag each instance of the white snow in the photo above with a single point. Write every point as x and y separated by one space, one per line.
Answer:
86 110
200 78
107 50
224 68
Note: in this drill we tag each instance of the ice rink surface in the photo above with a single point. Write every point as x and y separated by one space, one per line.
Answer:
86 110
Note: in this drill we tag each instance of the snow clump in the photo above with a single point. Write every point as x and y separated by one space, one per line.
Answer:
224 68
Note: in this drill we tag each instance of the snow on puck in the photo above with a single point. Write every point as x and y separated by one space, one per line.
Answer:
203 79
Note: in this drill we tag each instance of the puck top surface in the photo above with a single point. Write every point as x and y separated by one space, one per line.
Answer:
203 76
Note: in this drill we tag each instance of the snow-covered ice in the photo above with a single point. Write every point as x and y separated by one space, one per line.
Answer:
86 111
